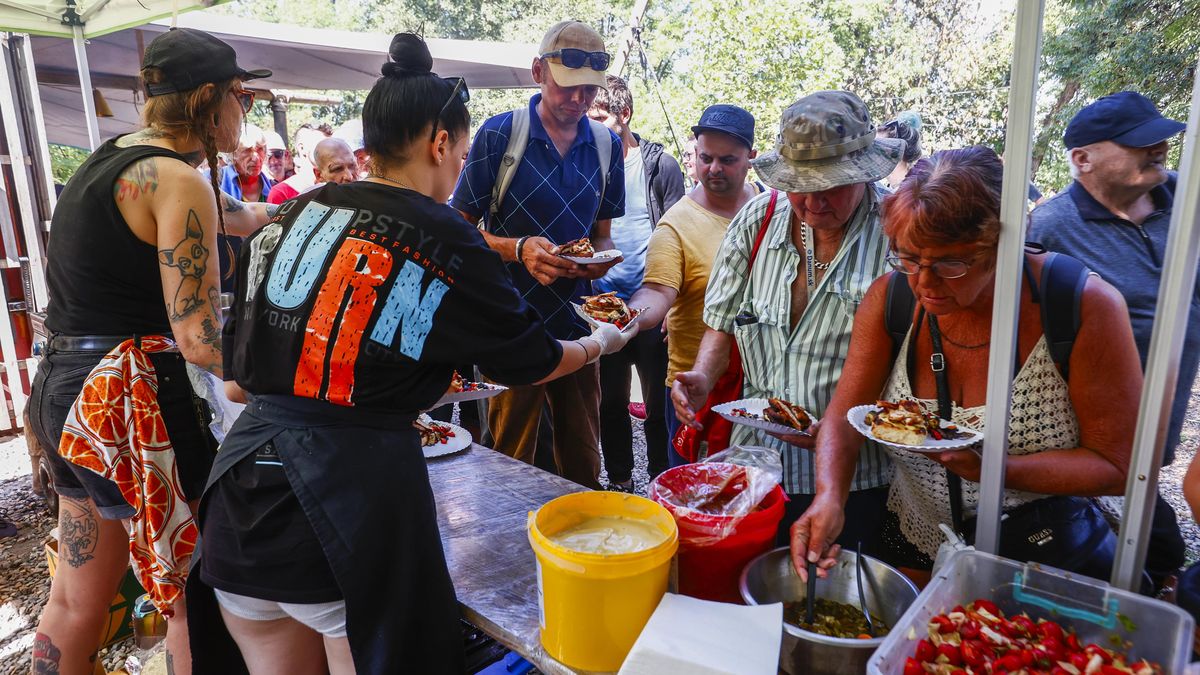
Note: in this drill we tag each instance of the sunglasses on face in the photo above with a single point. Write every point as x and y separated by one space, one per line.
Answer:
946 269
245 98
576 58
460 90
276 154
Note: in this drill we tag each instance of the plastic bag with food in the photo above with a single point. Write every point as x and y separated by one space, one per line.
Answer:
714 497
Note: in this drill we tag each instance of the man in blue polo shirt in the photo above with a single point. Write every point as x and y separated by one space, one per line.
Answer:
559 192
1115 218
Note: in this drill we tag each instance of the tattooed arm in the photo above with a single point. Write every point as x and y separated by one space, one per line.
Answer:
185 215
243 219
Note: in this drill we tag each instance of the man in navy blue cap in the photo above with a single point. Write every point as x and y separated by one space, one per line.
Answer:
682 248
1115 218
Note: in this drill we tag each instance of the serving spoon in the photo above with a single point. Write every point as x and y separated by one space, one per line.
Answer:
862 599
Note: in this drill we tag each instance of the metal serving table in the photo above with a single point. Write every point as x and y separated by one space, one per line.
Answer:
483 502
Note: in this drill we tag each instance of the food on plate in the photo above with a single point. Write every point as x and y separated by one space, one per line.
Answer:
459 385
580 248
607 307
433 433
833 619
979 639
788 414
907 422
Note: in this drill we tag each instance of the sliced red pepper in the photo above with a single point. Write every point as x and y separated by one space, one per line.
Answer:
953 654
911 667
926 652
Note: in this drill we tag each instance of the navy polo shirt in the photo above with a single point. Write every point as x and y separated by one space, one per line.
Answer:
1130 257
550 196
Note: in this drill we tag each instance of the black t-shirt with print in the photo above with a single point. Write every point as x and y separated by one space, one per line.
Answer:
361 295
366 295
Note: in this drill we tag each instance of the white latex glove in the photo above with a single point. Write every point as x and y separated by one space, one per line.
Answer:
610 338
948 548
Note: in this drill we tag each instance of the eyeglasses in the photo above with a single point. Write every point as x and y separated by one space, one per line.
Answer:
576 58
245 98
946 269
460 90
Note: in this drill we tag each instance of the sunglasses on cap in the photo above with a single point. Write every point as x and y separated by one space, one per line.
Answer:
460 90
576 58
245 98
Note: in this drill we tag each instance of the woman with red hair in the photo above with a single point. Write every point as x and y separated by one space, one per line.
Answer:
1069 438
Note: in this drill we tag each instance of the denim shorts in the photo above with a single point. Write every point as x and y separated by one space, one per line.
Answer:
59 380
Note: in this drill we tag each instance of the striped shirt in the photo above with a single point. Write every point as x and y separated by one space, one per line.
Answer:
802 366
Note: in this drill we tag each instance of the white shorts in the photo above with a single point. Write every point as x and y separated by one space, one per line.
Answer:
326 618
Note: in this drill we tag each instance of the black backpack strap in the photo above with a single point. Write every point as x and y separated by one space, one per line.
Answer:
1063 279
898 310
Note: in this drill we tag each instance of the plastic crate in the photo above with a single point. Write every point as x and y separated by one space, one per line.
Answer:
1157 631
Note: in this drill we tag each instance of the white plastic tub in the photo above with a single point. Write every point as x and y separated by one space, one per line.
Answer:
1157 631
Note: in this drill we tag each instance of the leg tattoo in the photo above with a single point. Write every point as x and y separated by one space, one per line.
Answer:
170 663
45 655
78 535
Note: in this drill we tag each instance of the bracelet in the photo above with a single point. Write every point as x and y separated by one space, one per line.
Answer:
599 349
521 248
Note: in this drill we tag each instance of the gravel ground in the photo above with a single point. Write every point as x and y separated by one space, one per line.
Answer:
24 583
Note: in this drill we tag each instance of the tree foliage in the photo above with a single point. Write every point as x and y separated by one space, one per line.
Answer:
948 60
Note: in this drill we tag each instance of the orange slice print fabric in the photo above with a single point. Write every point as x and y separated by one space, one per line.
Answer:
116 429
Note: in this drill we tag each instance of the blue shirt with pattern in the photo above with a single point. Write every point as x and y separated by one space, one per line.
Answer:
550 196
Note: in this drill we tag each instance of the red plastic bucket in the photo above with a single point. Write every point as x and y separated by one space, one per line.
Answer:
709 567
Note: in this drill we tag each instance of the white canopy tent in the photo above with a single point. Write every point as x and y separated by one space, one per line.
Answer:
300 58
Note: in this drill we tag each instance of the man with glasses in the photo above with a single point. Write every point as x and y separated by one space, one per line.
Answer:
1115 218
558 191
792 311
278 158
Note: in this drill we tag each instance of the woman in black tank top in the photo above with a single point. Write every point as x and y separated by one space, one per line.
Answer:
130 256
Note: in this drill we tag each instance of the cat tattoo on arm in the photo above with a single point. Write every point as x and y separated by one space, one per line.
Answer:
190 257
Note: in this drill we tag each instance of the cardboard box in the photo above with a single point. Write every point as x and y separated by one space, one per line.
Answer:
120 612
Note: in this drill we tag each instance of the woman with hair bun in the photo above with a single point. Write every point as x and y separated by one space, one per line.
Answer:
319 530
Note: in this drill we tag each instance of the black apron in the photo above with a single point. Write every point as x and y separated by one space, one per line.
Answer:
362 482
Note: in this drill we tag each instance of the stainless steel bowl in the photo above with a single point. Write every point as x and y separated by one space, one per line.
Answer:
771 578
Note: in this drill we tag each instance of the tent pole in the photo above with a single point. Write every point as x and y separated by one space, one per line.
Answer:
1018 149
1175 293
85 87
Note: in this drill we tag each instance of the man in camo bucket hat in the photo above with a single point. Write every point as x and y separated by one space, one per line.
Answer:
816 246
827 140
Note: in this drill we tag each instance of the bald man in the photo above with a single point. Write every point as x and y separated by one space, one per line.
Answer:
334 162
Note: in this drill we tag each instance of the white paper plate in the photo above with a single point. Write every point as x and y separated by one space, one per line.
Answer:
857 417
594 323
489 390
597 257
457 443
755 406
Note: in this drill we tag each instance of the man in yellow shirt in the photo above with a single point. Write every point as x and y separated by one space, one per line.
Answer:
682 248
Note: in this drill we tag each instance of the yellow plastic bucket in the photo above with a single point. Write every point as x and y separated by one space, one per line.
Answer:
594 606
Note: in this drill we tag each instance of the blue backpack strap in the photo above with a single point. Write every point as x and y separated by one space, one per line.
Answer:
1063 279
898 310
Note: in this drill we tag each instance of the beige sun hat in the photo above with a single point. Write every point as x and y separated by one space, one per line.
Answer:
573 35
827 140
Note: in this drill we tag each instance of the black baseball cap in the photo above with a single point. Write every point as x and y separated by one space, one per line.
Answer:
728 119
189 58
1126 117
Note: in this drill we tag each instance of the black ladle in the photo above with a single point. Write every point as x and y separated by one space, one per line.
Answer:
862 599
810 600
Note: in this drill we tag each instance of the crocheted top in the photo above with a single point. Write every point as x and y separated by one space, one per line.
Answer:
1042 419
